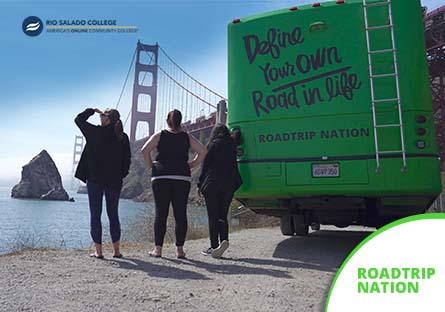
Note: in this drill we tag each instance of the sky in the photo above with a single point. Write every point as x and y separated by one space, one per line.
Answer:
45 81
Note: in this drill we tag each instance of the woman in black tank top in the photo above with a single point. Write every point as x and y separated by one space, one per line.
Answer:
172 158
170 177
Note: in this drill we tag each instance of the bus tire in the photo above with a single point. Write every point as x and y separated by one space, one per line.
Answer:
287 225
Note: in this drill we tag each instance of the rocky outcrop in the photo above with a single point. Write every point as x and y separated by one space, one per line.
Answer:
40 180
133 188
82 189
138 179
55 194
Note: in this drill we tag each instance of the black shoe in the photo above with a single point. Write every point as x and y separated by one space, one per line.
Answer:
207 252
94 255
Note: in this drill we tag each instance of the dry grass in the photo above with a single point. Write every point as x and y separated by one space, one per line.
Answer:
143 229
21 251
137 234
30 239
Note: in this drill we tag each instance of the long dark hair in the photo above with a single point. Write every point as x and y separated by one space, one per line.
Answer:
174 119
220 131
114 116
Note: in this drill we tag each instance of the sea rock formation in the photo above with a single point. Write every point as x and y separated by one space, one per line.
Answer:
138 178
82 189
40 180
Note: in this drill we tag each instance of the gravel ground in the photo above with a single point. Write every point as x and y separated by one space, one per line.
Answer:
261 271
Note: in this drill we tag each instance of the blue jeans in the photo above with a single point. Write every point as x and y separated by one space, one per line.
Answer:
95 196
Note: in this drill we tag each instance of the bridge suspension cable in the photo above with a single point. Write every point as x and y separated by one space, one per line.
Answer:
185 89
175 89
126 79
195 80
178 89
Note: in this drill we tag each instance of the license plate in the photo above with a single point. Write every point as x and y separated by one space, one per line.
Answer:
325 170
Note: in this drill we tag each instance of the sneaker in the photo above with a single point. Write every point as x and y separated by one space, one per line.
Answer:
218 252
207 252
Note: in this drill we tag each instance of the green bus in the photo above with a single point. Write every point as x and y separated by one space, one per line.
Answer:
334 108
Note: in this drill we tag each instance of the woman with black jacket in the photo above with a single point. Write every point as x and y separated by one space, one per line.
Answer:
218 181
104 162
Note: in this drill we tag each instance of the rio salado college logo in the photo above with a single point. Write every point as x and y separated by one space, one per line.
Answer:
32 26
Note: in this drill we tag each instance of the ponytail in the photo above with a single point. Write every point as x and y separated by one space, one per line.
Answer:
119 130
115 120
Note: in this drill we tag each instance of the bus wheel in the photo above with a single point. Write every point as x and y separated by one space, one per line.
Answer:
287 226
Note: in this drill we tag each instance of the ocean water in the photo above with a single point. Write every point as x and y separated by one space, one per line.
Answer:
39 223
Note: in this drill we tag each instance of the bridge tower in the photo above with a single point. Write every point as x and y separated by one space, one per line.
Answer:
79 143
144 93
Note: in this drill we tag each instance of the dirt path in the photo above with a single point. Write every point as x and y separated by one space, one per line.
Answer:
262 271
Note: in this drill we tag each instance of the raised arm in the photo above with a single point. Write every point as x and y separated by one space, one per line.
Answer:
200 150
85 127
149 146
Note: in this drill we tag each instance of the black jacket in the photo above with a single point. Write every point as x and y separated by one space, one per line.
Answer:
220 168
105 159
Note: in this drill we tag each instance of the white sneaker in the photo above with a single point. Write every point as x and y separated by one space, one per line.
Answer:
207 252
218 252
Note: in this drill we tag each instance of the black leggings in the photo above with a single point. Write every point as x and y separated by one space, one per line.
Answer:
95 196
218 203
176 192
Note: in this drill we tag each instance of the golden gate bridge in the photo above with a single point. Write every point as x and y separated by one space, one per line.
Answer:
159 86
